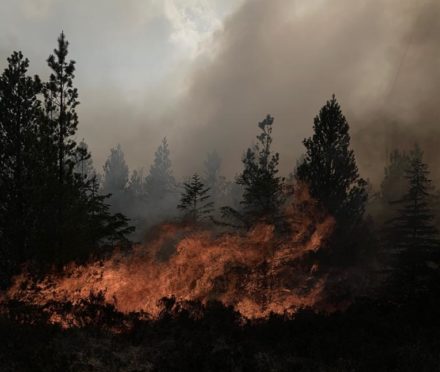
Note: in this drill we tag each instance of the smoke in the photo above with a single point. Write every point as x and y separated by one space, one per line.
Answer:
137 84
381 59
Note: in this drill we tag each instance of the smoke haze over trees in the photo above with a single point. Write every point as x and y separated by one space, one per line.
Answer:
266 57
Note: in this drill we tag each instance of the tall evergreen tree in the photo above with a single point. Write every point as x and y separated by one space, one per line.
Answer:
58 146
394 183
136 184
212 177
416 242
61 100
262 187
160 180
75 219
115 171
115 179
50 210
194 200
19 116
83 162
329 167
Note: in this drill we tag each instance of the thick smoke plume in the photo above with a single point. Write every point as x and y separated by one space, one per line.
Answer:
380 59
281 57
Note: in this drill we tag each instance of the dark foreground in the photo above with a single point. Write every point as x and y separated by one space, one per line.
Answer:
369 336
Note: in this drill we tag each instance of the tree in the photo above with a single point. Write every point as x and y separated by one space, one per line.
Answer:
20 111
394 183
115 179
212 177
83 162
136 184
74 219
50 208
160 180
329 167
58 146
415 240
262 188
193 201
61 100
115 171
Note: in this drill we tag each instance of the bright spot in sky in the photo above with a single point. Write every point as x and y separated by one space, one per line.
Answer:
192 23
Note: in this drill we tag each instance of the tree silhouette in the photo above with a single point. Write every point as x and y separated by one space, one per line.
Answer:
115 179
212 177
329 167
19 116
262 188
194 200
160 180
416 240
62 215
115 171
83 162
136 184
61 100
394 184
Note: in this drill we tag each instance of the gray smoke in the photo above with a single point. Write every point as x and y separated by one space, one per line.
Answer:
283 57
381 59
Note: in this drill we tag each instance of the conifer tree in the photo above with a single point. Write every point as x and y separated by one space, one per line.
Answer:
83 162
115 179
415 242
212 177
136 184
262 187
194 200
50 208
74 219
115 171
394 183
160 180
329 167
61 100
19 115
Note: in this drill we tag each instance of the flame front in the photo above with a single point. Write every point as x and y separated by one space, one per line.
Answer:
257 272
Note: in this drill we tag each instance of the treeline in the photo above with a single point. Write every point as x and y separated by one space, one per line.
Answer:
51 210
153 197
55 207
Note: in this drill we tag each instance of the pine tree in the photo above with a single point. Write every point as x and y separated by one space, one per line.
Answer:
61 100
58 147
115 172
19 115
262 188
115 179
136 184
394 184
212 177
194 200
83 162
50 208
416 243
160 180
329 167
74 219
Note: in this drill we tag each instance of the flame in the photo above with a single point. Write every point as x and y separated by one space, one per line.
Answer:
257 272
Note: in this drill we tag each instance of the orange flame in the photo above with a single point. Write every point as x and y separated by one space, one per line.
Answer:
257 272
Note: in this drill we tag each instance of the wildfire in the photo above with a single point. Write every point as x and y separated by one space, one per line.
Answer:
257 272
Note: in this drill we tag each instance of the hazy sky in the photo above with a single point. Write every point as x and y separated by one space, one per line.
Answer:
204 72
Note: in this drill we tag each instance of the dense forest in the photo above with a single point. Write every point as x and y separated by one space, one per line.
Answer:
57 210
